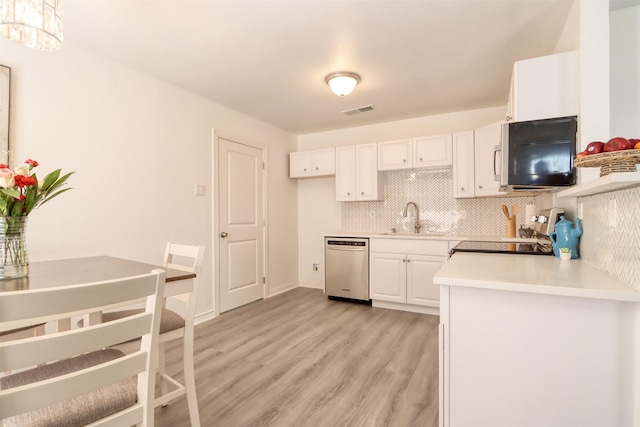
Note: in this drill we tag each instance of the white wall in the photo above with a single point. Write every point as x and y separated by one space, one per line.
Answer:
625 69
318 211
138 146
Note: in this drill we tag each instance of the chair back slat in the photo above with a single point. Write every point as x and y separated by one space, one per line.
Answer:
38 350
190 257
51 303
27 391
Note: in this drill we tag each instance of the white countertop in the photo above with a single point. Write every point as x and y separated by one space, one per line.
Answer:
429 236
533 274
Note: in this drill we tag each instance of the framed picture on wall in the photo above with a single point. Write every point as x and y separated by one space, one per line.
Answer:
5 89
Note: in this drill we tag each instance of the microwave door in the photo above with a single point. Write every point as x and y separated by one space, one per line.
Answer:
503 177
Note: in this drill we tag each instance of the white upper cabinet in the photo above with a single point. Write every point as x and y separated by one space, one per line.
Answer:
487 160
544 88
422 152
463 165
304 164
394 155
357 176
432 151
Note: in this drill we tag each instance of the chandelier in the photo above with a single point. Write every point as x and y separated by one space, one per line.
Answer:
35 23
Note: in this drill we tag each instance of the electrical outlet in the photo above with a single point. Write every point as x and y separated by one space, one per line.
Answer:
315 267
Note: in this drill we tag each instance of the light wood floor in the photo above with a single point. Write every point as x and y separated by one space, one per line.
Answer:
299 359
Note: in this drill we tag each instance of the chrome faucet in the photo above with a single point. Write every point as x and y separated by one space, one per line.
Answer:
417 225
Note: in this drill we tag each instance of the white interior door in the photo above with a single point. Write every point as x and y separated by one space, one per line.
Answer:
241 222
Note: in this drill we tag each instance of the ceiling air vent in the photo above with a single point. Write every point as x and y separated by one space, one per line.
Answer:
358 110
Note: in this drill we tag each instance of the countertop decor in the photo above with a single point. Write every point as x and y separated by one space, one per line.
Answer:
20 193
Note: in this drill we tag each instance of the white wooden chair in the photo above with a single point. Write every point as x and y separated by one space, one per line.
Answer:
174 326
81 383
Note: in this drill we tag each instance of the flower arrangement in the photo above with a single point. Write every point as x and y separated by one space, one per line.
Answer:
21 192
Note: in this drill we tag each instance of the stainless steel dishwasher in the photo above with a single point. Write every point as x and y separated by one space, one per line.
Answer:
346 268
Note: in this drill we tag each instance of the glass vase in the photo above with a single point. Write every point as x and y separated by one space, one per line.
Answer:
14 259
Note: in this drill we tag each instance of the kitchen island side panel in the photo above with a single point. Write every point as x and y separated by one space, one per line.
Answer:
538 360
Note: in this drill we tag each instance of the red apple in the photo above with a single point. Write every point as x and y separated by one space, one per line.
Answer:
634 141
595 147
616 144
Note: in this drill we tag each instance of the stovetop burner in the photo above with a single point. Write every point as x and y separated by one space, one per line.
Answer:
532 248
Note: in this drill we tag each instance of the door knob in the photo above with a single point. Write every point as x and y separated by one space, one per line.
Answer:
223 234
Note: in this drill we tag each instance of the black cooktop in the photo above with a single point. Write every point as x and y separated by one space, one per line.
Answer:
504 248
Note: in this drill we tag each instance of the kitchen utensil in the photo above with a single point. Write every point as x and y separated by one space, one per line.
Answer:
515 209
505 209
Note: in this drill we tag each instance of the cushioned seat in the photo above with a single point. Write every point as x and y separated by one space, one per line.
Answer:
169 321
80 410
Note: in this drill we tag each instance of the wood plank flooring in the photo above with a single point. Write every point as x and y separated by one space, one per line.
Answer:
299 359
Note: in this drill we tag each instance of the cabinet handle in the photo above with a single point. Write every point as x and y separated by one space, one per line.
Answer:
461 188
420 158
316 168
362 193
408 260
348 194
305 169
480 187
508 118
404 160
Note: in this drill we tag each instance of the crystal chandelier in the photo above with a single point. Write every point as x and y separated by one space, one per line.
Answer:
35 23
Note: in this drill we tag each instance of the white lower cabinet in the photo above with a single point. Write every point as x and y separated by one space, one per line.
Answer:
528 359
401 273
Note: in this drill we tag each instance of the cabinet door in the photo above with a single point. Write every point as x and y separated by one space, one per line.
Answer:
395 155
367 175
463 165
488 162
323 162
346 173
299 164
545 87
388 277
420 272
432 151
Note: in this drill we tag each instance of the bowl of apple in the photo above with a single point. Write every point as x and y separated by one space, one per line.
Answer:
616 155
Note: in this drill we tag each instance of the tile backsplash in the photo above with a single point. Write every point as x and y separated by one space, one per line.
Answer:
440 212
611 237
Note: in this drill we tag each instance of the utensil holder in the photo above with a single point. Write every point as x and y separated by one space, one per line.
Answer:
511 227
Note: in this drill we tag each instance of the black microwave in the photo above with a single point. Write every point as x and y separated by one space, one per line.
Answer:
538 154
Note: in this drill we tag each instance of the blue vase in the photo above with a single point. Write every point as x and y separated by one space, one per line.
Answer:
566 235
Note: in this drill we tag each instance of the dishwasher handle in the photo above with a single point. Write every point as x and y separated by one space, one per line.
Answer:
347 248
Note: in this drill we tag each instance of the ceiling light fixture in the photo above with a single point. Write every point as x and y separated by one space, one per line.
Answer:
35 23
342 83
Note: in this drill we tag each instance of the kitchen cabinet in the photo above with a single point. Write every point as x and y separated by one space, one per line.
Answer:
401 273
357 176
516 358
487 160
312 163
422 152
477 162
463 165
544 88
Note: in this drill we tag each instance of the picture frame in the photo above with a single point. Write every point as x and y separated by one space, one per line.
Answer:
5 106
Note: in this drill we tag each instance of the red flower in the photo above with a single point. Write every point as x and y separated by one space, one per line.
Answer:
33 163
3 166
22 197
25 181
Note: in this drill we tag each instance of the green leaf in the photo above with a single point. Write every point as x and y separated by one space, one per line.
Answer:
50 179
54 195
57 183
13 193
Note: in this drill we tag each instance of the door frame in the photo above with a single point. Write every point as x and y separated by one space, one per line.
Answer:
215 201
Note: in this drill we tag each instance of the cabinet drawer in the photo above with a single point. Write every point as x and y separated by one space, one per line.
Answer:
410 246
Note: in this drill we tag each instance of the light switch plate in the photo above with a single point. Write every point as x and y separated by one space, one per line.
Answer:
200 190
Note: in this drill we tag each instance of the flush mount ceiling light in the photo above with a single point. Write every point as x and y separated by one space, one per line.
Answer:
342 83
35 23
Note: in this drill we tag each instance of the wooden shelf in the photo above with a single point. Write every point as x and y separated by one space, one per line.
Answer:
604 184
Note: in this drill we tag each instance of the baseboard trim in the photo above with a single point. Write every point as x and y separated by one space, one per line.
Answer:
435 311
281 289
311 285
201 318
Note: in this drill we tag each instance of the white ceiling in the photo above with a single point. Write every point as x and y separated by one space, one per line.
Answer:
268 59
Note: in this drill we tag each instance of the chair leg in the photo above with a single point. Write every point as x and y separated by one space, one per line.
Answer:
190 379
162 370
